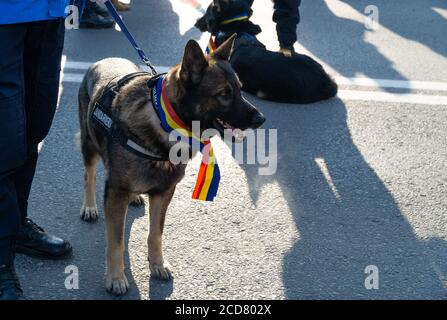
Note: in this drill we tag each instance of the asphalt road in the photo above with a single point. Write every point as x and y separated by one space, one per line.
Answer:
360 179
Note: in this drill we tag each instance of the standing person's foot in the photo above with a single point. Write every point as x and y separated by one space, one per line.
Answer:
287 51
9 284
92 18
32 240
100 10
120 6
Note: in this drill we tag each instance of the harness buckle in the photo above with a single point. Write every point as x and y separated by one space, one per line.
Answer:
149 64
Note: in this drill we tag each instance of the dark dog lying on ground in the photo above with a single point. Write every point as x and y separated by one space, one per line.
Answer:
269 75
120 123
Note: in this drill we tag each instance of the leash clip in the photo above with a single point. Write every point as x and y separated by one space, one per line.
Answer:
149 64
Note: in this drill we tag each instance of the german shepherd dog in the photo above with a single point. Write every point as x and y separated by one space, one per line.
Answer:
201 88
269 75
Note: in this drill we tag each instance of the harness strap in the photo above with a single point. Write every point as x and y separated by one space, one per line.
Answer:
102 114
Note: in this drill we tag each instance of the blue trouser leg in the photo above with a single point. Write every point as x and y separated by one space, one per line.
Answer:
9 219
12 132
30 57
286 16
42 71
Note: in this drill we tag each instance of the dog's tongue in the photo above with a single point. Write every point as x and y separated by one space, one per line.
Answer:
238 134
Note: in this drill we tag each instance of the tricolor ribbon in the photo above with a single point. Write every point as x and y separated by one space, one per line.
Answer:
208 178
211 47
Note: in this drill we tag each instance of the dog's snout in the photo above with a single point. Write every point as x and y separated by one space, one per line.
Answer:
257 120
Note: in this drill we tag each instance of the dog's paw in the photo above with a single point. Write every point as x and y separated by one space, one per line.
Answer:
161 271
137 201
89 214
117 285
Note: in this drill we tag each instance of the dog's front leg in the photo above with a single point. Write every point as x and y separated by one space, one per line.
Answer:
158 206
115 209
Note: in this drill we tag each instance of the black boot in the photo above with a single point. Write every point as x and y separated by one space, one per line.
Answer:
9 284
94 16
32 240
100 10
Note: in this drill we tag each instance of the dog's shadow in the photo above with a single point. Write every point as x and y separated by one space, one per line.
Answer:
160 289
344 211
134 212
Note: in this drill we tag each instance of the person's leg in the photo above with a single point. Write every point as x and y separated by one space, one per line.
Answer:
94 16
42 62
13 148
9 220
9 225
286 16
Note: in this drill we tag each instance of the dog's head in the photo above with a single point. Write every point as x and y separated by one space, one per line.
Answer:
207 89
222 15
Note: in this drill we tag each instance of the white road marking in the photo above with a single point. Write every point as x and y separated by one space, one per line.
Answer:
71 77
79 65
386 83
40 146
392 97
325 171
344 94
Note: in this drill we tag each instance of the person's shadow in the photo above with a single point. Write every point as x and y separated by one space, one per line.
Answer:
344 213
345 216
415 20
341 43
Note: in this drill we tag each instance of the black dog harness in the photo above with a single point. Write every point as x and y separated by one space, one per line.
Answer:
102 114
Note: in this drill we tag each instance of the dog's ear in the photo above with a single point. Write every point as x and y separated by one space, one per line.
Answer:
224 50
193 63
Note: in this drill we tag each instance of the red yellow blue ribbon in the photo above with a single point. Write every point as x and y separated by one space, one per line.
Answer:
211 47
208 178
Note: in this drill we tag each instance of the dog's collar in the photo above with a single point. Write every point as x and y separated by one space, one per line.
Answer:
102 115
240 17
216 41
169 119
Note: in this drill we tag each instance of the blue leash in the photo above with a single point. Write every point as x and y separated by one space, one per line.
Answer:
128 35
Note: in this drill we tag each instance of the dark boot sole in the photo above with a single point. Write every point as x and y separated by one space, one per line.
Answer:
42 255
84 25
